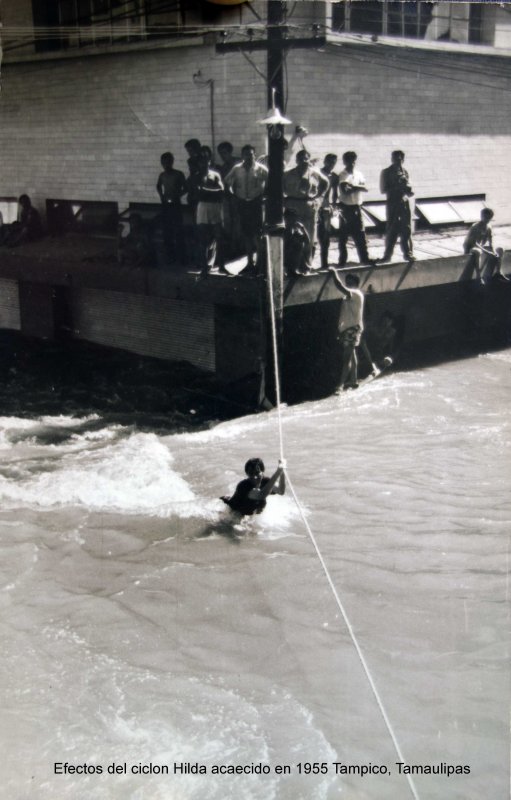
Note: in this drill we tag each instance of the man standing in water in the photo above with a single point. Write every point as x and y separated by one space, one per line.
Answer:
251 493
350 328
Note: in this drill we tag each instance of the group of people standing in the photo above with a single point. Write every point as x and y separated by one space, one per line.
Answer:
226 201
341 209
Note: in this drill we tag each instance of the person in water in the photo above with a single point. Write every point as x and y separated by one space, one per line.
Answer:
251 493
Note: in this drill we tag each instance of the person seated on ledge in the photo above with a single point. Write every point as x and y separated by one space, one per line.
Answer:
479 245
251 493
28 227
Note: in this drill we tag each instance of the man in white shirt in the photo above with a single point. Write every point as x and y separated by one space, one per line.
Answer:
247 181
352 187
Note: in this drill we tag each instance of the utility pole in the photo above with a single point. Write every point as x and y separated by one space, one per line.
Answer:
275 195
275 91
276 43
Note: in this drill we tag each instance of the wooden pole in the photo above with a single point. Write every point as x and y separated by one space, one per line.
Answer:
275 195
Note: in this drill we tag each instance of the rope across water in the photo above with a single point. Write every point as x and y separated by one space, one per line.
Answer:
344 615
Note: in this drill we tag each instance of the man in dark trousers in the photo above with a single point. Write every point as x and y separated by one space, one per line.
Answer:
395 183
171 186
326 208
247 181
304 186
352 187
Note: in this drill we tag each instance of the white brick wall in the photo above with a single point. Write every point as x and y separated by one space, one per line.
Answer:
94 127
448 113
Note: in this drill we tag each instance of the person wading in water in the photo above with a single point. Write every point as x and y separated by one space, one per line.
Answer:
251 493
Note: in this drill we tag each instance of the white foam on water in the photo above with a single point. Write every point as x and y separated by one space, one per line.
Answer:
134 475
63 421
501 355
278 519
228 430
9 424
121 714
196 653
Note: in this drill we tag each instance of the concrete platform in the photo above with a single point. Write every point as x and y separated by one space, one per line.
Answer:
79 262
73 288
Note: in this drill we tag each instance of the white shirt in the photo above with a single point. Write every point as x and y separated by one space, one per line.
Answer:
352 311
354 178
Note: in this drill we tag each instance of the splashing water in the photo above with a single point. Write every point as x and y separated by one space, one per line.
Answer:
131 637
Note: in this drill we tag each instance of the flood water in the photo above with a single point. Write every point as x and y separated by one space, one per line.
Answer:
138 628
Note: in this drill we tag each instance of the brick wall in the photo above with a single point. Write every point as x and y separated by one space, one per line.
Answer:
94 127
448 112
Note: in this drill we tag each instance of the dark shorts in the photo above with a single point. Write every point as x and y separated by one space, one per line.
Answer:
351 337
251 216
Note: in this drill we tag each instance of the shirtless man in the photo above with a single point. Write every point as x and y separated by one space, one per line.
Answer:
209 217
350 328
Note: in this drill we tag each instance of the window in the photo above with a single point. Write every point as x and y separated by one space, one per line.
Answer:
382 18
79 23
433 21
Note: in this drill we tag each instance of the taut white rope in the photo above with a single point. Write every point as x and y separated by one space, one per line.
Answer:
312 537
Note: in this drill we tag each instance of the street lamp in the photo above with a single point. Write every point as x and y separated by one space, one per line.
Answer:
274 118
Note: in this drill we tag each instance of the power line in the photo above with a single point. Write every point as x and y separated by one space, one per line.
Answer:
386 62
255 32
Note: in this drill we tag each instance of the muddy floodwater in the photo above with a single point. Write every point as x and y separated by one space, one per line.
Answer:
141 629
